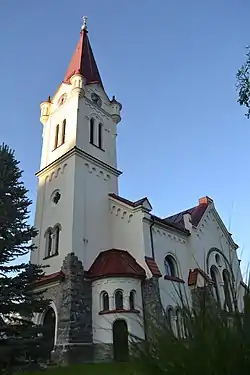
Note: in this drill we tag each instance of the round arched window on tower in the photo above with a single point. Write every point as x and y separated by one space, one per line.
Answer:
55 196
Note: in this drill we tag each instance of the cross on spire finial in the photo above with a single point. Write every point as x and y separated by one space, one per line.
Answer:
84 23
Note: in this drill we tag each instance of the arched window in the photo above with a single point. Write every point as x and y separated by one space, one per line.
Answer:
63 131
215 277
56 136
170 266
62 99
170 317
227 290
100 135
118 300
56 232
132 300
105 301
92 131
48 242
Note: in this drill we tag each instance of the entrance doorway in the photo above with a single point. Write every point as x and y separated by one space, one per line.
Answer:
49 325
120 341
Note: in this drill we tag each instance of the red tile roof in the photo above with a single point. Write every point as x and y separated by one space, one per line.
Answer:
46 279
83 62
170 223
115 262
193 275
196 213
153 267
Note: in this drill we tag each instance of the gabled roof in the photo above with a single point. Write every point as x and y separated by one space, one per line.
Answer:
193 276
115 263
196 213
83 62
140 202
151 263
144 202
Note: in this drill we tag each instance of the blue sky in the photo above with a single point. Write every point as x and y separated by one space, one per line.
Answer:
172 64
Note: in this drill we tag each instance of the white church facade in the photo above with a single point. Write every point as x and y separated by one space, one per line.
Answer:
112 262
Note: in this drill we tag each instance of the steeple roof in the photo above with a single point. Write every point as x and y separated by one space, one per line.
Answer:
83 61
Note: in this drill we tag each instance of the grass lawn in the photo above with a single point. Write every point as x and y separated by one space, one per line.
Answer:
92 369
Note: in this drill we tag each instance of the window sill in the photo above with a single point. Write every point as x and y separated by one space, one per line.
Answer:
174 278
99 148
119 311
56 148
50 256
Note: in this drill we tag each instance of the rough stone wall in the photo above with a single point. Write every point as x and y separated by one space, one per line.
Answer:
103 352
73 300
75 313
202 296
153 311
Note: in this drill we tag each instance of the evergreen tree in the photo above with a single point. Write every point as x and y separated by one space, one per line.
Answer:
243 84
20 338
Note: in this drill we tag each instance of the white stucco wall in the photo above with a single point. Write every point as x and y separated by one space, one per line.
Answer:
169 242
102 324
58 113
127 230
88 110
83 179
48 214
205 239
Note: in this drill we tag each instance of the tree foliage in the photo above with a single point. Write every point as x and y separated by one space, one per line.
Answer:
211 341
20 338
243 84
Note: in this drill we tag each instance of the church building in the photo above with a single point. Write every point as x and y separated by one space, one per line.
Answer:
112 262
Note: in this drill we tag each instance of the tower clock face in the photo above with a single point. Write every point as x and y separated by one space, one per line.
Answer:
96 99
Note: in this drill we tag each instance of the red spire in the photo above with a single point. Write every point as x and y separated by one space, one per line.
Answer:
83 61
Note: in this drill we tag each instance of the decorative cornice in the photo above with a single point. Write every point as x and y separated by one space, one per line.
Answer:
224 229
77 151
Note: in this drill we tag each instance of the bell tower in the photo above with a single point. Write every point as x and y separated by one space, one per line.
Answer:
78 167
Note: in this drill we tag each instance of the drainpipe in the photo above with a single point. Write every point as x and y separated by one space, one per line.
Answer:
151 237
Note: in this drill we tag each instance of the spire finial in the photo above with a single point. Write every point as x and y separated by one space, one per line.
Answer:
84 23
